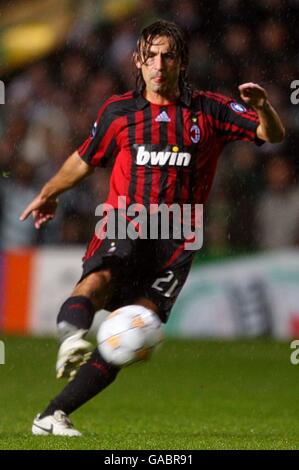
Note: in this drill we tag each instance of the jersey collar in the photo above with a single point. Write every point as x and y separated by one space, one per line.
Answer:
141 102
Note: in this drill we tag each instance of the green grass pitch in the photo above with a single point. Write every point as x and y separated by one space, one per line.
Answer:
190 395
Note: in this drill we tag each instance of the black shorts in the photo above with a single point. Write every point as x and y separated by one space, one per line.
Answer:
154 269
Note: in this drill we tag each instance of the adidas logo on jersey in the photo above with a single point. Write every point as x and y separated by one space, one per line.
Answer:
163 117
170 158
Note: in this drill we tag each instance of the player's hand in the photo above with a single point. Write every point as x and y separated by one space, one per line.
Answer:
41 209
253 95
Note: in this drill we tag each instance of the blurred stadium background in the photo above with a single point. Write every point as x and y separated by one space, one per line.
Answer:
59 60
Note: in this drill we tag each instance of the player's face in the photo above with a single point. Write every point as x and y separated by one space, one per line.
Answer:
161 67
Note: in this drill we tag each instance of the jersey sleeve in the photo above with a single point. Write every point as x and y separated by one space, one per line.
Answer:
100 146
233 121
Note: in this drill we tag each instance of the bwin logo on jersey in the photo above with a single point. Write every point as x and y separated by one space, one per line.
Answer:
171 158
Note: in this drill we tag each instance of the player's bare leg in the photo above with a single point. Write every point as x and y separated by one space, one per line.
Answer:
74 320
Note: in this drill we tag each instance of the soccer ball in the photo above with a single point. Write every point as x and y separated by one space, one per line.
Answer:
129 334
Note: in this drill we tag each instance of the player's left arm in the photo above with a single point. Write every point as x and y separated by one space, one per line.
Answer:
270 127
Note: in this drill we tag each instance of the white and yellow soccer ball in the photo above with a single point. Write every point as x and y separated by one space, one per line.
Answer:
129 334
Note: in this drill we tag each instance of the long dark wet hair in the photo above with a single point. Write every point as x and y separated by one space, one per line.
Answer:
179 47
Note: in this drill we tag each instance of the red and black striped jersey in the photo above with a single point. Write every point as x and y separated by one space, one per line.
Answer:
165 154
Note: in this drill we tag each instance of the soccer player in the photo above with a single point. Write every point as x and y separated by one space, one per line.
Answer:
137 130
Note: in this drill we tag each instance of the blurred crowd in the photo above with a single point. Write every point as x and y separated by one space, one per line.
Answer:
52 104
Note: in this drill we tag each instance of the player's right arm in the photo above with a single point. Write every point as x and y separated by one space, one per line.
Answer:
96 150
43 207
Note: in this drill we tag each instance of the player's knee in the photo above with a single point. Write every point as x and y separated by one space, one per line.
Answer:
95 287
100 278
147 303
